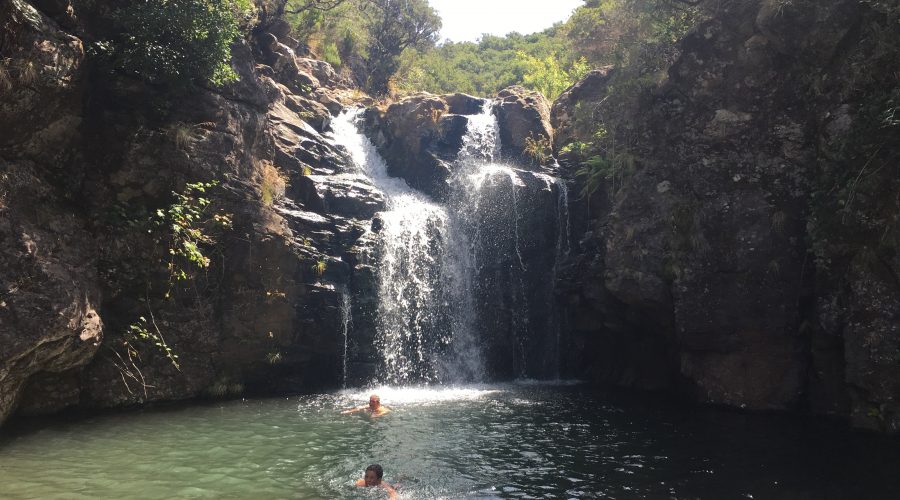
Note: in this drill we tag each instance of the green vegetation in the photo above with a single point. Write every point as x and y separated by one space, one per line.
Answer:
187 225
138 332
548 77
855 206
184 229
389 46
638 38
538 149
396 27
5 77
483 68
366 36
319 267
224 386
177 42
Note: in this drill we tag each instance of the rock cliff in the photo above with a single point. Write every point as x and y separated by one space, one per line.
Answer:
87 158
743 248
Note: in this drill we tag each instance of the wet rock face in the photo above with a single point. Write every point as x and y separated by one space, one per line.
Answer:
701 254
512 296
420 136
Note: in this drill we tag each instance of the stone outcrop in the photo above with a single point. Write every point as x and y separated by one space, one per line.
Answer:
591 88
84 168
523 117
420 136
724 262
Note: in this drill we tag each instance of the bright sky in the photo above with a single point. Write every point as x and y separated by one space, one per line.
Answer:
467 20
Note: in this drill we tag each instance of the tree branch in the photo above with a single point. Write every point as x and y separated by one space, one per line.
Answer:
319 5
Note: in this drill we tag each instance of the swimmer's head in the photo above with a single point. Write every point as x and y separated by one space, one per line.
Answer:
373 475
374 402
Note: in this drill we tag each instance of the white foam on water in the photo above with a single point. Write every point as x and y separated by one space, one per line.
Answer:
393 395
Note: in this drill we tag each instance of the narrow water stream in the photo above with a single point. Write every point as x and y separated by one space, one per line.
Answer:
524 440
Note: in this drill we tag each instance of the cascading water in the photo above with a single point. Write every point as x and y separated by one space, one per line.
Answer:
498 232
465 283
346 318
563 247
412 326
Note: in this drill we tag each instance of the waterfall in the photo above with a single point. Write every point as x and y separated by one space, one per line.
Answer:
412 326
563 248
467 282
346 318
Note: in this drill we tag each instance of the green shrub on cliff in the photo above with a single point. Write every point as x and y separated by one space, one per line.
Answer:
178 42
186 226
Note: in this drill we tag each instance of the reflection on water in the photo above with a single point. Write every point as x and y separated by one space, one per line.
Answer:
527 440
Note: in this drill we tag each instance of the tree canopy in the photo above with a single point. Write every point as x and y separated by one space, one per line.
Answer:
177 42
390 46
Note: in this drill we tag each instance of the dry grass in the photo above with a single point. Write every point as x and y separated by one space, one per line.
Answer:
28 73
272 184
182 134
777 221
6 83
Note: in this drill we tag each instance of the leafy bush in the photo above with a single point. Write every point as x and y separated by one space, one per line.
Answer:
538 149
178 42
186 228
607 163
547 75
365 36
187 225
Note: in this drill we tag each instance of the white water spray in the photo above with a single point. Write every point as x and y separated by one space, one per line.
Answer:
346 318
410 302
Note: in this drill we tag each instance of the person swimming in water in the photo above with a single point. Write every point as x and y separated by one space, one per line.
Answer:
372 477
374 408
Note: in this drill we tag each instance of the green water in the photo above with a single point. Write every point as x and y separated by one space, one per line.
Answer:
511 441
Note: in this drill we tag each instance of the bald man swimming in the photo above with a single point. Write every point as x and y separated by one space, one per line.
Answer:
374 408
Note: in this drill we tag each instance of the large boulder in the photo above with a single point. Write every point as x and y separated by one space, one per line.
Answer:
49 320
524 120
420 137
593 87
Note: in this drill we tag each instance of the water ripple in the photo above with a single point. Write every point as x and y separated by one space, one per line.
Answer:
507 441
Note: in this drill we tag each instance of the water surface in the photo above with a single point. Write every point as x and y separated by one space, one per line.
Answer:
524 440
